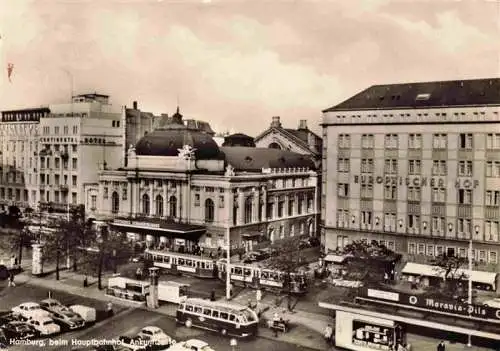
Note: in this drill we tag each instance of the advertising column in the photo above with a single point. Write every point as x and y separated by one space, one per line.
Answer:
37 259
152 300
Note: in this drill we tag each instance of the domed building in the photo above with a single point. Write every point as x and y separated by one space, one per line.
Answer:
181 190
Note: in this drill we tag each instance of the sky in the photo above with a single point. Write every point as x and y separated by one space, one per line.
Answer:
237 63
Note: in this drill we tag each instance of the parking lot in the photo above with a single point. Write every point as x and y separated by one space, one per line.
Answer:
126 321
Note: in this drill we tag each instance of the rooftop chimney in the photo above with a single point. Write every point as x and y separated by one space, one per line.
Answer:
303 124
134 104
276 122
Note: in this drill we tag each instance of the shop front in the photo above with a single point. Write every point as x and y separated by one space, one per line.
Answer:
161 234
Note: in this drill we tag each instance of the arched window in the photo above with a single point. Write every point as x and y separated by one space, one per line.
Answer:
172 202
159 205
209 210
115 202
274 146
248 209
145 204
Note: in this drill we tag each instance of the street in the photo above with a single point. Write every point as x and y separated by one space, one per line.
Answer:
127 321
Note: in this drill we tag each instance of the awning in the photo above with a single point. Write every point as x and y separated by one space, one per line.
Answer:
335 258
438 272
157 227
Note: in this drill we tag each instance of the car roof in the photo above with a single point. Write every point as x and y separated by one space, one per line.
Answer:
196 342
30 304
152 328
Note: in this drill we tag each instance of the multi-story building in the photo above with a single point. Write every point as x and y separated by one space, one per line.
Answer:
417 167
58 149
181 189
18 156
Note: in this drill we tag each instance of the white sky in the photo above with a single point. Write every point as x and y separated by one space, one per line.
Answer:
237 63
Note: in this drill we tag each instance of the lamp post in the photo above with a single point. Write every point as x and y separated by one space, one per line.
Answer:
469 299
230 204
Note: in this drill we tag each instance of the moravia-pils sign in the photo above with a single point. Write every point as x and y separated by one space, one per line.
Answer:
433 304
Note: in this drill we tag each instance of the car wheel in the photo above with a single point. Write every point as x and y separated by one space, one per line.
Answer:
189 323
223 332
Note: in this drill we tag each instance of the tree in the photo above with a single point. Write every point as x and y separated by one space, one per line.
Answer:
449 267
288 259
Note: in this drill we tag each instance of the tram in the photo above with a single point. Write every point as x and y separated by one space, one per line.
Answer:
246 275
179 263
256 277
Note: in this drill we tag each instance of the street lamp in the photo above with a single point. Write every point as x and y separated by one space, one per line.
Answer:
230 205
469 299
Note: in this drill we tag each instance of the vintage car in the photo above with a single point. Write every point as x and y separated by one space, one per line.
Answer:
68 319
191 345
28 309
19 331
44 325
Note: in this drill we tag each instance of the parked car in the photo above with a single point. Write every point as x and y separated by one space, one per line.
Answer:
267 252
155 335
7 318
88 314
19 331
68 319
495 303
28 309
52 305
44 325
191 345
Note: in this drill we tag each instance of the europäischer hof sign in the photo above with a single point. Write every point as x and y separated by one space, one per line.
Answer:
417 181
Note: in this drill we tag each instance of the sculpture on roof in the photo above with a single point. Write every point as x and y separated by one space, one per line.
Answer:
187 152
229 171
131 150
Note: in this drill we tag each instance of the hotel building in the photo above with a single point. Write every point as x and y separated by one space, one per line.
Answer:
50 153
417 167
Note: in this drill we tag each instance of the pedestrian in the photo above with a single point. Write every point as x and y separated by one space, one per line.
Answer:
138 273
275 322
212 296
258 295
109 309
441 346
328 334
386 278
231 289
11 279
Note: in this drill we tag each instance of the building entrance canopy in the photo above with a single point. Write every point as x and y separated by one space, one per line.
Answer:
158 227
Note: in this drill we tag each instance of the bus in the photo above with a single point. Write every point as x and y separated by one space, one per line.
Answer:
255 277
226 318
179 263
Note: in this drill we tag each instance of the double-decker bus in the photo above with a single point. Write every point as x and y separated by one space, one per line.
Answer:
179 263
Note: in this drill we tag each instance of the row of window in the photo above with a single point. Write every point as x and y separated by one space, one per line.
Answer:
481 256
389 222
439 167
343 240
464 196
439 141
57 130
45 180
45 163
19 145
421 114
45 196
22 116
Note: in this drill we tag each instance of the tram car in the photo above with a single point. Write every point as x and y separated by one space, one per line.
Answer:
256 277
176 263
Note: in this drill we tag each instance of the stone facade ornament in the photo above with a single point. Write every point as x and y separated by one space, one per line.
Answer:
229 171
131 150
187 152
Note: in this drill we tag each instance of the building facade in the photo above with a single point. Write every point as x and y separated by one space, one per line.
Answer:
181 189
416 167
58 150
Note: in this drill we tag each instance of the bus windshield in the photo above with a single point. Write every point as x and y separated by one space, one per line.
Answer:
249 315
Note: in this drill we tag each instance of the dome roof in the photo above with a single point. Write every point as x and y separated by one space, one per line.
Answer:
167 141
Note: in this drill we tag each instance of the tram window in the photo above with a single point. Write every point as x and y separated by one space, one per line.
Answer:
232 317
183 306
241 319
224 315
189 308
189 263
207 311
275 276
174 260
248 272
265 275
180 261
202 265
197 310
208 265
166 259
215 314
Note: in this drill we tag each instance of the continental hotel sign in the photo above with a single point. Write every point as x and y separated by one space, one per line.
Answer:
416 181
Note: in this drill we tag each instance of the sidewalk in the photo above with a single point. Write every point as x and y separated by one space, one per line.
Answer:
306 329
